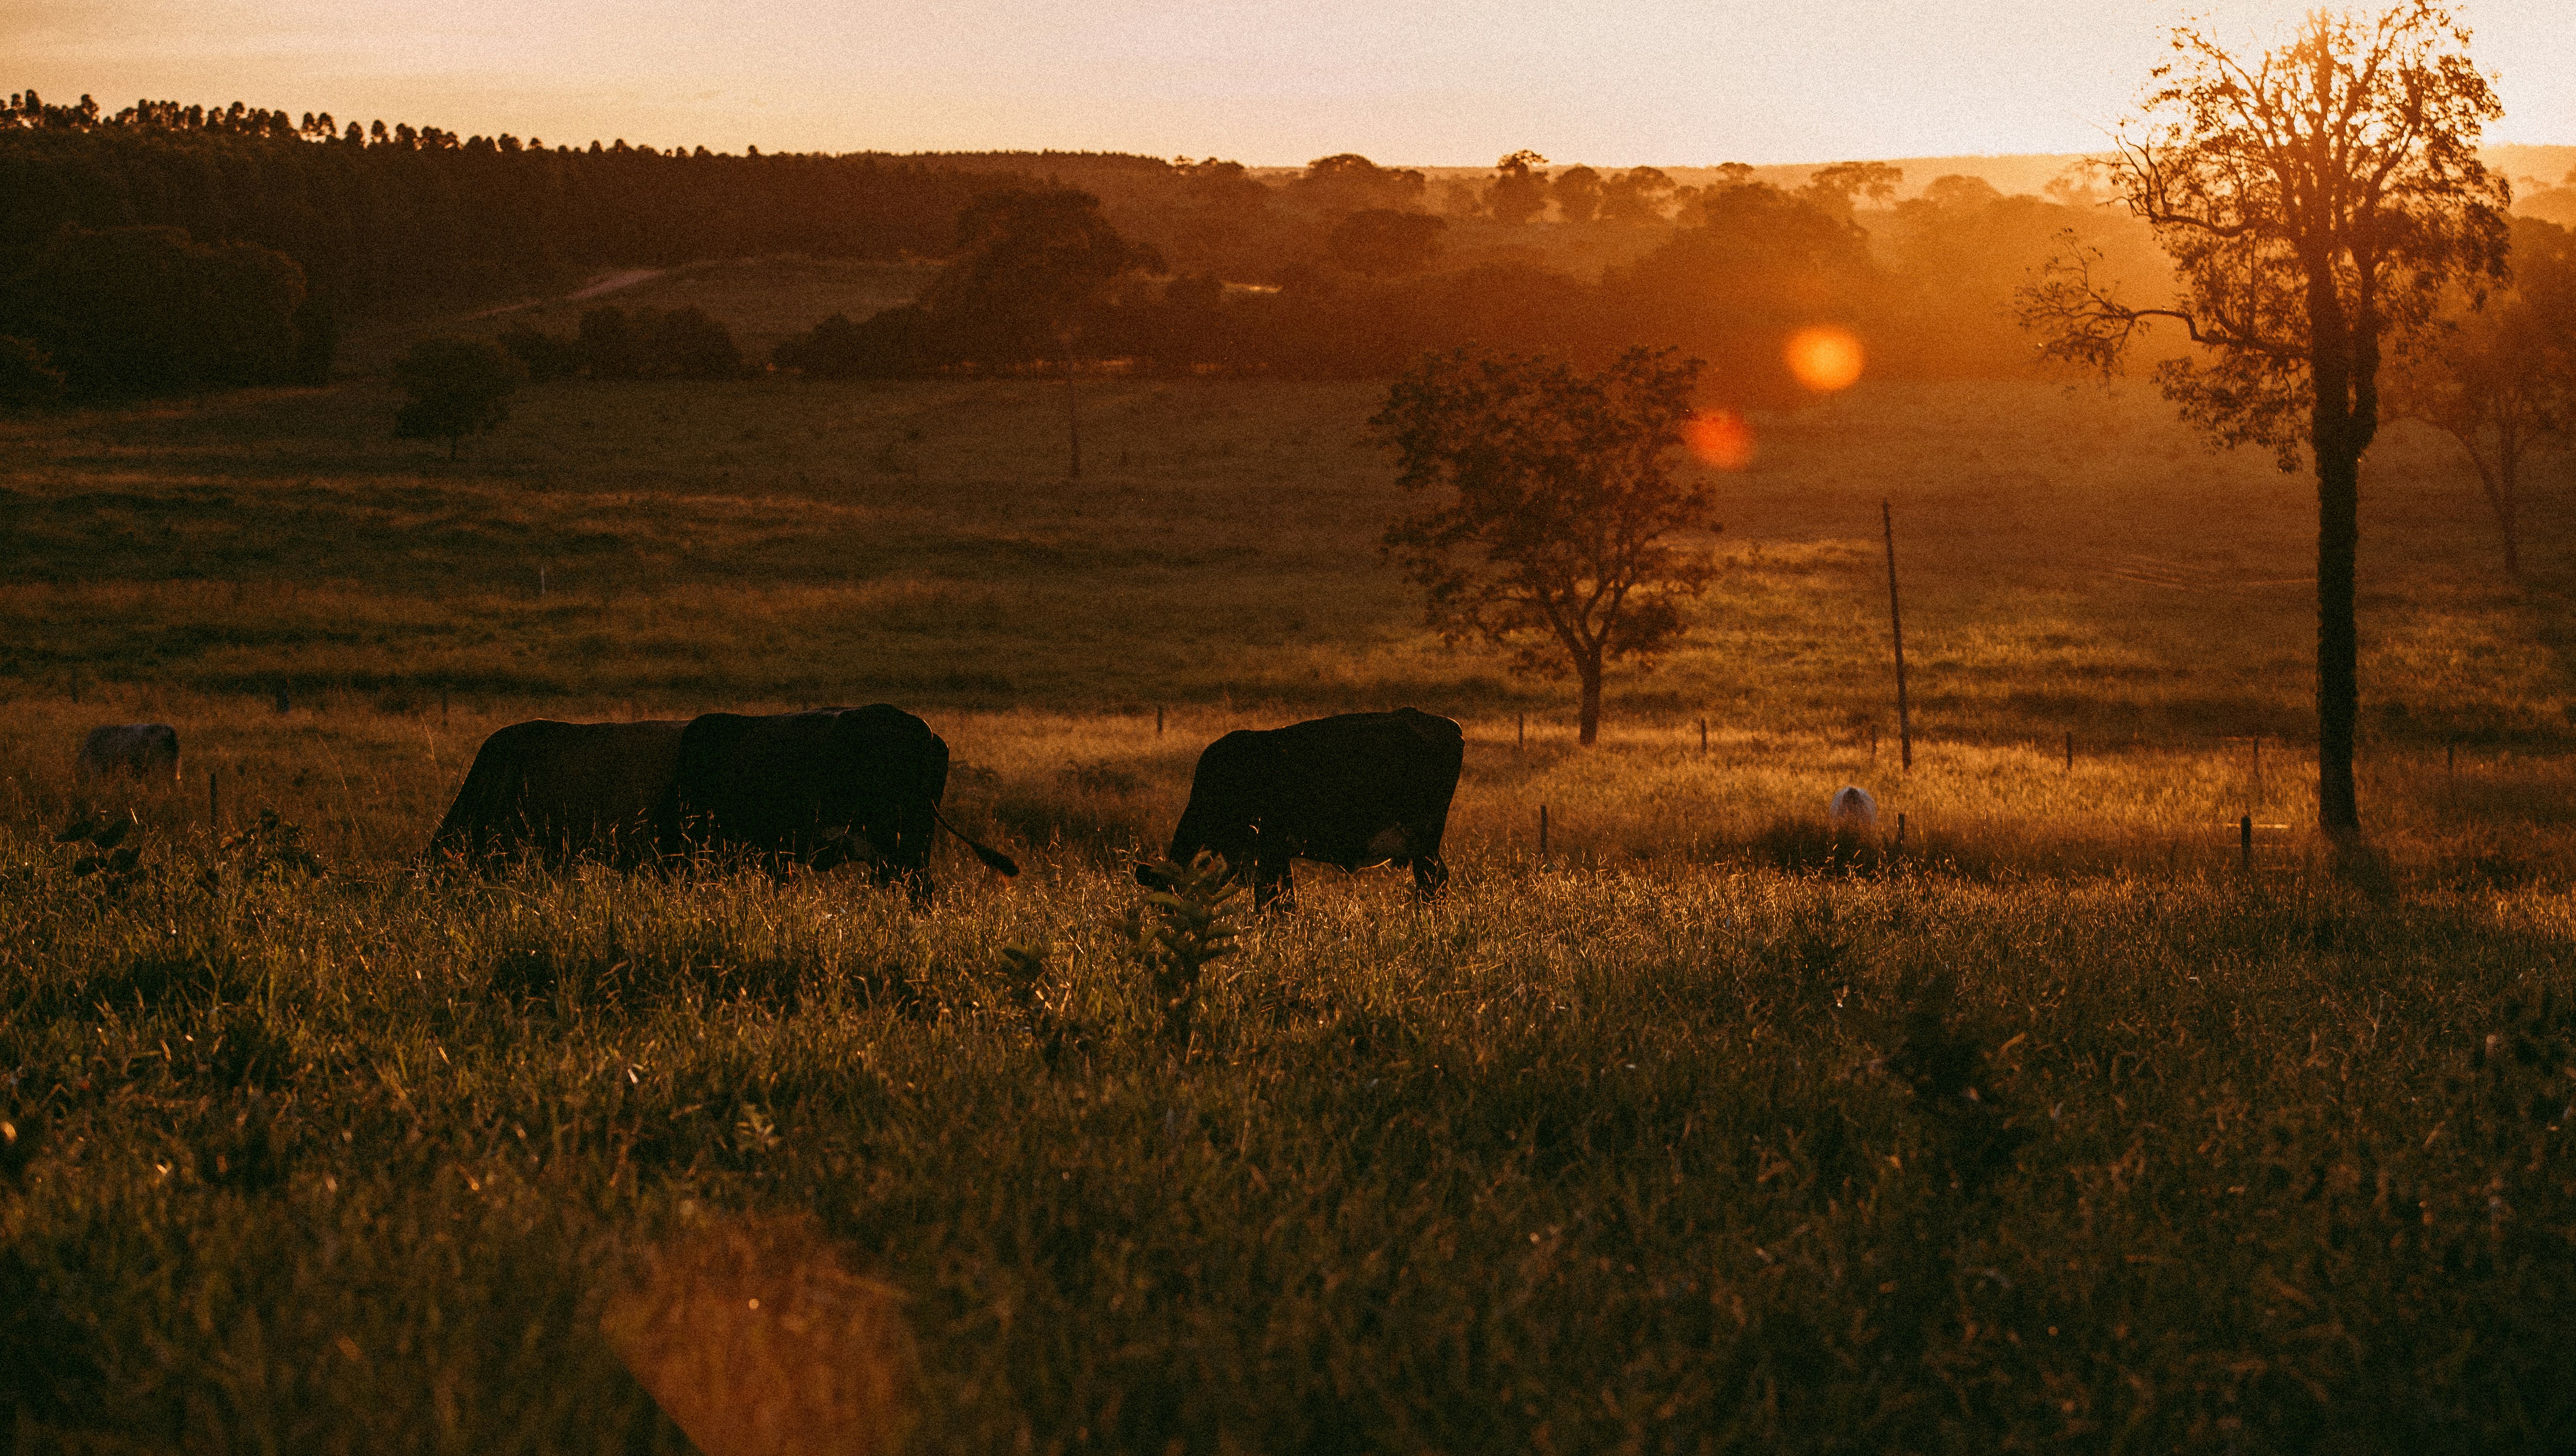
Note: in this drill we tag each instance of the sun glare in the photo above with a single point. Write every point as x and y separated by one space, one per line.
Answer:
1720 438
1824 358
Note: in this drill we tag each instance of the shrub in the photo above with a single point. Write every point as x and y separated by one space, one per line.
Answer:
457 387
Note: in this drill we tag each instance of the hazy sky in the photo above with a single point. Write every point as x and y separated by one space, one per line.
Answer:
1611 82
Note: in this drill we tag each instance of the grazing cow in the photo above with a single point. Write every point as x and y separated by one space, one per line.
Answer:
145 750
1354 790
1851 807
565 791
822 788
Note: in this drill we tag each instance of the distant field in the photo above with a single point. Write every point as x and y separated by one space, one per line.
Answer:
2072 562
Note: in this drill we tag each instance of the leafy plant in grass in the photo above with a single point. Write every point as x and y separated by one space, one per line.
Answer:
458 387
102 857
1190 931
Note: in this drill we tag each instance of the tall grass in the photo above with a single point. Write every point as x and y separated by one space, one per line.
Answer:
1665 1156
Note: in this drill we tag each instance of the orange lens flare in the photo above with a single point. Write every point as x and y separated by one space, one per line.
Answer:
1824 358
1721 438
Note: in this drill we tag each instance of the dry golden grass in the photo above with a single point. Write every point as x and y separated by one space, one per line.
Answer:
1712 1132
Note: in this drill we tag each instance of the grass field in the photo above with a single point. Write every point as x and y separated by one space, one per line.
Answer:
2058 1126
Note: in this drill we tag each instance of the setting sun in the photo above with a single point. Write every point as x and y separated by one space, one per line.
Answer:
1824 358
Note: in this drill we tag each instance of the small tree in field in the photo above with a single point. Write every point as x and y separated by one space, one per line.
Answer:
1557 528
457 387
2502 379
2319 201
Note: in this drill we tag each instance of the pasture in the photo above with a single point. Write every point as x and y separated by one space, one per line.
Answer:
2060 1124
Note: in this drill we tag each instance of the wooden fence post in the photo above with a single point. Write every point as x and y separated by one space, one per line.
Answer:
1896 630
1520 730
1703 735
2070 751
2245 841
1158 720
214 804
1542 833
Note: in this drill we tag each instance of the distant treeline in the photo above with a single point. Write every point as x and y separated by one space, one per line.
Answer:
376 214
1346 268
1745 267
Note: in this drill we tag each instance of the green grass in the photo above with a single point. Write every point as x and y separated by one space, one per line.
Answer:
1663 1143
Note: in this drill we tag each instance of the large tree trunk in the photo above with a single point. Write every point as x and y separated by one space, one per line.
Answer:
2338 634
2343 365
1589 719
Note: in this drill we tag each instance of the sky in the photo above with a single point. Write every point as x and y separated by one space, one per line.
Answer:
1427 83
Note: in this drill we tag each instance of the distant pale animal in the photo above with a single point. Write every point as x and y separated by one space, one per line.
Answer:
824 788
558 792
1353 790
1851 807
145 750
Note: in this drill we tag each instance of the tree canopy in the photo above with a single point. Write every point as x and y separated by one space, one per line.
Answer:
1557 528
457 387
2501 379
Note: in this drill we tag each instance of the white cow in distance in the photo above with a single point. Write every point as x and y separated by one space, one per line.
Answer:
1851 807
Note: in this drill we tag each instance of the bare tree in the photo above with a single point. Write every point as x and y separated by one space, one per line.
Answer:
1558 527
2318 200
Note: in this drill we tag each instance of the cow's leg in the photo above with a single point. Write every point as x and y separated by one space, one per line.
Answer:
1430 873
1272 883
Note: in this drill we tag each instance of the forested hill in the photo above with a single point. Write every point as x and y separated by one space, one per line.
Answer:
383 215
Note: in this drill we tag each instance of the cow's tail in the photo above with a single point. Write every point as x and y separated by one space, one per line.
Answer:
994 860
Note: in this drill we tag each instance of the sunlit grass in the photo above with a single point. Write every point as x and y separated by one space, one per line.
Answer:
1659 1141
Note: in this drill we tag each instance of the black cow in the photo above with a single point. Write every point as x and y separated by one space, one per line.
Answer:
822 788
565 791
1353 790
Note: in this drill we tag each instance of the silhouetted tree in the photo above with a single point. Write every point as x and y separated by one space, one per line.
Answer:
2502 379
1029 265
148 310
1757 266
2318 201
545 356
1348 182
1838 189
1636 197
1577 191
1518 192
685 343
1558 529
457 387
891 344
1385 244
609 348
1034 264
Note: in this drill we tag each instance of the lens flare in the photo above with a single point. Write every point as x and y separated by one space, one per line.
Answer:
1720 438
1824 358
